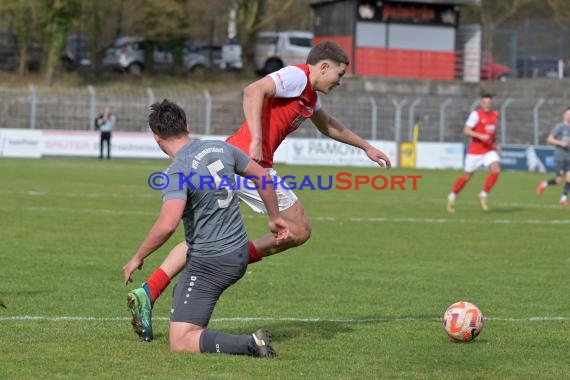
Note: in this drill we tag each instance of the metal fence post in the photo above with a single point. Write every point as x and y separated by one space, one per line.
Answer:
535 117
411 117
151 98
398 118
442 119
33 106
208 112
504 106
374 116
92 105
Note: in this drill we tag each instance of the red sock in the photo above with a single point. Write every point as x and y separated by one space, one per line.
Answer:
459 184
490 181
157 282
254 255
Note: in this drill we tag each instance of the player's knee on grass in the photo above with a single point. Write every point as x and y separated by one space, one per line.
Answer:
184 340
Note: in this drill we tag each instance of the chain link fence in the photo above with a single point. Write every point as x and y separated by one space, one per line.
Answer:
440 119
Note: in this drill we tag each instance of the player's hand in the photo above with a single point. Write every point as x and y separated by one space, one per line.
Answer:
255 151
484 137
379 157
498 149
280 229
129 268
564 144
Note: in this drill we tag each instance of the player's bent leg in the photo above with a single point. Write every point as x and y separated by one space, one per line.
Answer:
188 337
565 191
457 187
170 267
494 171
299 232
175 260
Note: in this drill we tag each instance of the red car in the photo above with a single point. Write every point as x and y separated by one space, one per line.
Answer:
490 70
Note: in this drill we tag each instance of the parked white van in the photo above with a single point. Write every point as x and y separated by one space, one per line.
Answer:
275 50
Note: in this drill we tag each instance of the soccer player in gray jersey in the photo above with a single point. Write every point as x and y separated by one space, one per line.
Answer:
560 138
200 192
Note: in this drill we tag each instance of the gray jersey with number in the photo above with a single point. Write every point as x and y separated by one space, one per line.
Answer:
561 131
203 174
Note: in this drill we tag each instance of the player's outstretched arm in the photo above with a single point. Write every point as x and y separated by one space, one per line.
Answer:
163 228
554 141
333 128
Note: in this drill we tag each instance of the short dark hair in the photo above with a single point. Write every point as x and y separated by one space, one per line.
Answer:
327 50
487 95
167 119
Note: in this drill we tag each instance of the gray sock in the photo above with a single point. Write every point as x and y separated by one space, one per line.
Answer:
212 341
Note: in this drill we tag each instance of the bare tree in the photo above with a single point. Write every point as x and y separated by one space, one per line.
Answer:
24 19
561 10
493 13
59 14
252 18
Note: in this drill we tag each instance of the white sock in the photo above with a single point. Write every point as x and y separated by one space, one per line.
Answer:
452 196
483 194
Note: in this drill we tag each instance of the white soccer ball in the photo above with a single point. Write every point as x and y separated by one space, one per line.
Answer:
463 321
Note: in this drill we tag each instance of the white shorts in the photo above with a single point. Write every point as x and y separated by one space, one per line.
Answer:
475 161
285 198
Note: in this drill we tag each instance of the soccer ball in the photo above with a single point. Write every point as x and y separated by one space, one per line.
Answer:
463 321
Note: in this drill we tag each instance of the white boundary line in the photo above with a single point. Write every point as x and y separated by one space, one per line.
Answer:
32 318
156 195
317 218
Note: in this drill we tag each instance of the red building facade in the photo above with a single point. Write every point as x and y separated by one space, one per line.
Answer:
400 38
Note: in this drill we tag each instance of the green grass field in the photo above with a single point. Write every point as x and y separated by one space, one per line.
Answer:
361 300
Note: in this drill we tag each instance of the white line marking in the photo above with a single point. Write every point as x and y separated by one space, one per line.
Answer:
271 319
317 218
156 195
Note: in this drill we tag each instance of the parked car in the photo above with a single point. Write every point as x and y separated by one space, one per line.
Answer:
127 54
131 56
76 55
533 67
9 53
491 70
201 56
198 57
275 50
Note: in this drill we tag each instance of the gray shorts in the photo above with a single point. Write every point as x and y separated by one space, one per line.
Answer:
562 166
203 281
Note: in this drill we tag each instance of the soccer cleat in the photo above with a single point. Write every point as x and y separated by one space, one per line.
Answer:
138 302
450 206
483 203
540 188
260 347
564 201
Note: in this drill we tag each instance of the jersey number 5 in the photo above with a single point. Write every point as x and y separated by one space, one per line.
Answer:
214 168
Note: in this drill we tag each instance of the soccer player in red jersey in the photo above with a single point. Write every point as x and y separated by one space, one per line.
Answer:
274 107
481 126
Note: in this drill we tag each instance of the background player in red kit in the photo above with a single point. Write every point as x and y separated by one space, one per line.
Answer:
481 126
274 107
